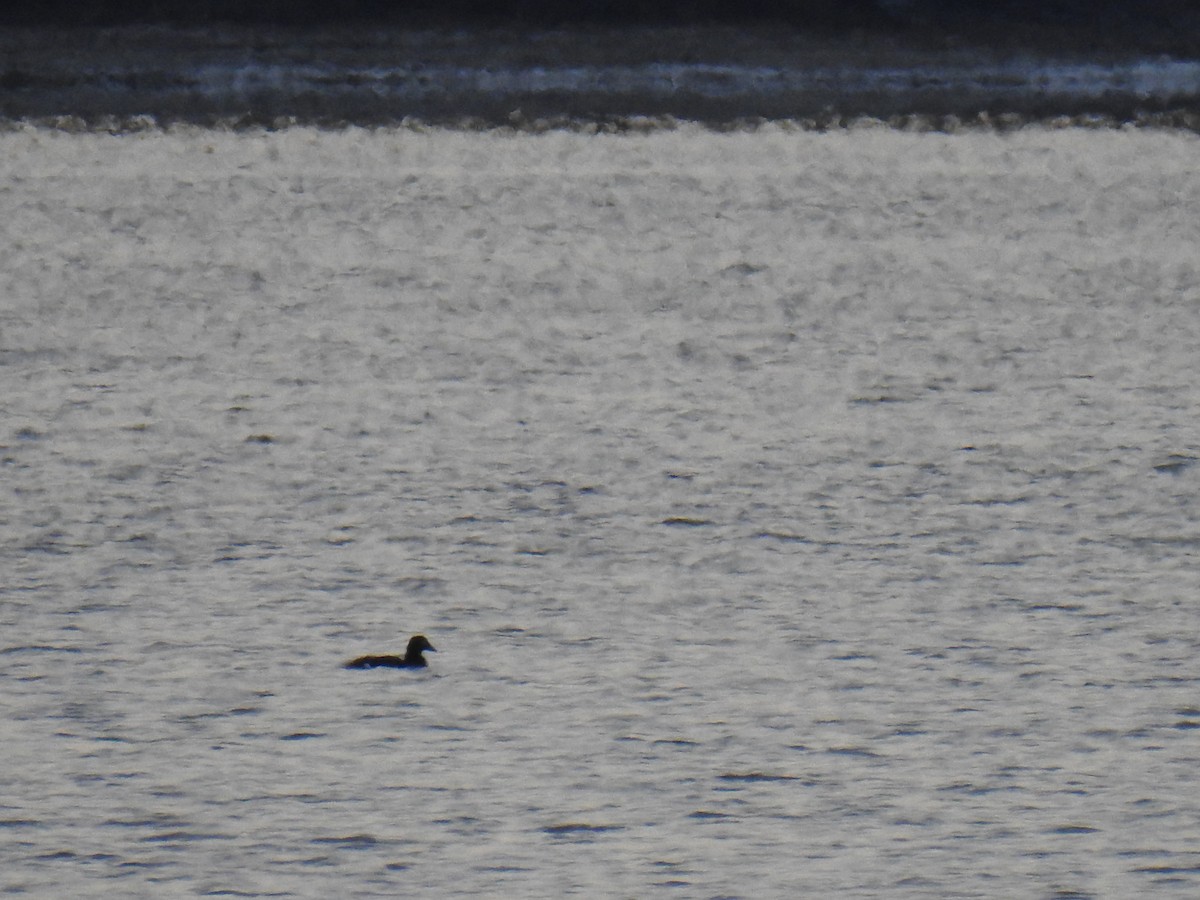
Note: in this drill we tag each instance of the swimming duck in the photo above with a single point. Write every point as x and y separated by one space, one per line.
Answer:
412 658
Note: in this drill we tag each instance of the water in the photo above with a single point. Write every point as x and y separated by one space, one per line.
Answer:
416 81
794 514
127 78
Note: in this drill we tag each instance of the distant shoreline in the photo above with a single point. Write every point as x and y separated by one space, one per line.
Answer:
722 76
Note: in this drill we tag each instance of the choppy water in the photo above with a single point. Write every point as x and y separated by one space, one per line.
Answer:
794 514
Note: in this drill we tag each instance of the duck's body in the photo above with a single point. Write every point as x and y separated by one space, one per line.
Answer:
412 658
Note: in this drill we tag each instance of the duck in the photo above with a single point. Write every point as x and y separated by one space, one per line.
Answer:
412 658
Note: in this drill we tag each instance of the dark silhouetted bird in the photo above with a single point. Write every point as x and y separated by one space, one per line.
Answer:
412 659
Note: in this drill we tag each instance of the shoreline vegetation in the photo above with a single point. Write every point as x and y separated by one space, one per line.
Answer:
592 78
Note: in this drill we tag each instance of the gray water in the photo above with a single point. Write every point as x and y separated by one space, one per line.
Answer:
794 514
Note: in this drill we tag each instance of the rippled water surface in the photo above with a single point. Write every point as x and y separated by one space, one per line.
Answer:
794 514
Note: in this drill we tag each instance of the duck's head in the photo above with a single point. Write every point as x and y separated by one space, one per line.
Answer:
418 643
